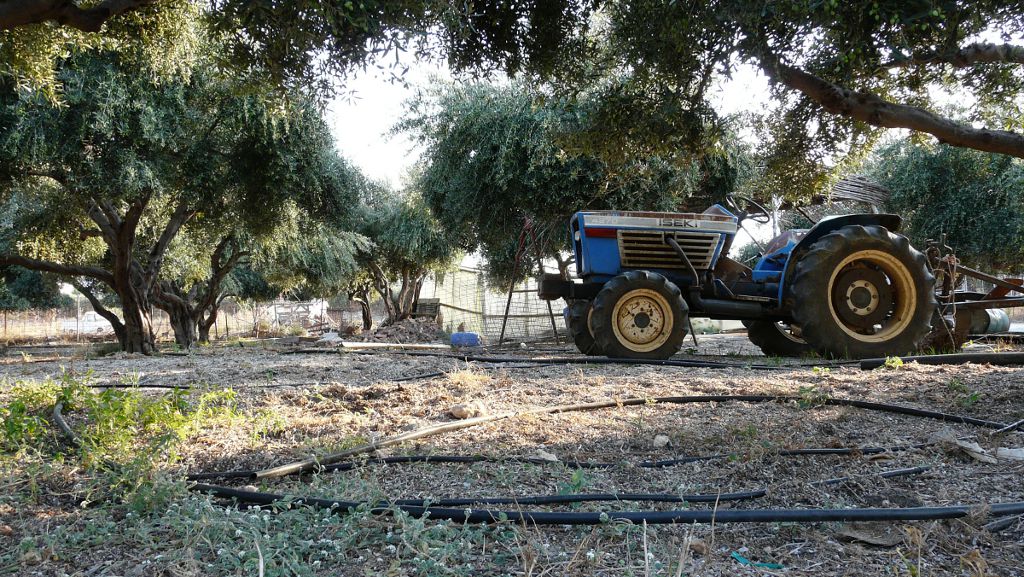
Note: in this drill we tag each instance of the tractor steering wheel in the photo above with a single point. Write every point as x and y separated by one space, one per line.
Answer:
762 215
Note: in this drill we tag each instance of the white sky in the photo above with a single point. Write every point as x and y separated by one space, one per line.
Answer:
360 122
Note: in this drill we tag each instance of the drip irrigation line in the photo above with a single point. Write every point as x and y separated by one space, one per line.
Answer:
443 373
1010 427
551 360
633 497
1005 523
470 515
315 463
470 459
794 453
420 376
693 363
957 359
652 497
140 386
582 498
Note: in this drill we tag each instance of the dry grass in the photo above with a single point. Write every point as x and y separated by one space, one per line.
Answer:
297 405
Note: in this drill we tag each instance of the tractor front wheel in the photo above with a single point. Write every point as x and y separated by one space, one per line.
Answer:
863 291
639 315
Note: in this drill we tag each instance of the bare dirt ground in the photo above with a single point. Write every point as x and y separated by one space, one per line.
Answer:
292 406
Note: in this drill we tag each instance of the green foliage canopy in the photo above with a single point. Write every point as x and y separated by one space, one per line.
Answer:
101 184
974 198
497 157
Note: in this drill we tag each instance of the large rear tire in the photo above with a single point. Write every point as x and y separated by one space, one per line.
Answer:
639 315
579 328
777 340
862 291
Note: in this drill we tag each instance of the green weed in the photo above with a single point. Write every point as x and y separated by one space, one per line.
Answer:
122 436
577 483
965 396
811 397
893 363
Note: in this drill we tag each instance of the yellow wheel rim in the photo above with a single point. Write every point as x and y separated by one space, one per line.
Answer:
642 320
900 282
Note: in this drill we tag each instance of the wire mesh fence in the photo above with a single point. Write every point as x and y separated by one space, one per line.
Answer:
233 320
470 303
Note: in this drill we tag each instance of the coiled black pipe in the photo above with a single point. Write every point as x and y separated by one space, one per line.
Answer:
469 515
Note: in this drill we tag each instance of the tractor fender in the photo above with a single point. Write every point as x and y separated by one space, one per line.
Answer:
892 222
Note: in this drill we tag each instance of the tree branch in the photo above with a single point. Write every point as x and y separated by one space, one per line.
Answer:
52 175
977 53
99 308
106 227
869 108
156 254
165 296
134 214
14 13
57 268
219 269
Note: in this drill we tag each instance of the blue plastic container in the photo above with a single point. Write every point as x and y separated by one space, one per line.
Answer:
465 340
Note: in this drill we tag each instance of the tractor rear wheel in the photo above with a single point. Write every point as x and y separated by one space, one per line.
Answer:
862 291
777 339
639 315
579 328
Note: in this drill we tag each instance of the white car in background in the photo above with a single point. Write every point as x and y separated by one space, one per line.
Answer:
90 323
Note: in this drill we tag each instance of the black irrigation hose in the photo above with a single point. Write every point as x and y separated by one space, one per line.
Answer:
1010 427
443 373
311 464
469 515
140 386
957 359
653 517
635 497
652 497
553 360
460 459
693 363
794 453
638 497
583 498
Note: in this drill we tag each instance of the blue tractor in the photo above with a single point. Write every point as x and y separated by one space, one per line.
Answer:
849 287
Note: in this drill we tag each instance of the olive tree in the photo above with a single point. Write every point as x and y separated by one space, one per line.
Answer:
974 199
408 243
499 159
103 182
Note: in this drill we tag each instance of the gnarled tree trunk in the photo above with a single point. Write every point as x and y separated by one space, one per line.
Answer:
206 324
183 324
194 312
360 293
398 306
